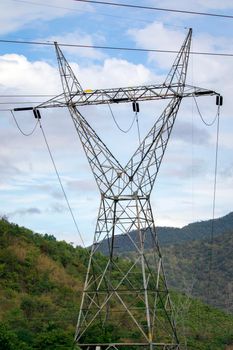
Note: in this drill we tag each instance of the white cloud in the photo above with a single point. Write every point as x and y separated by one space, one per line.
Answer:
115 72
22 212
80 38
15 15
159 37
18 74
26 162
197 5
211 72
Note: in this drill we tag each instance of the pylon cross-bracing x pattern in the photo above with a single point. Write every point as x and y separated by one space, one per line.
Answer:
125 302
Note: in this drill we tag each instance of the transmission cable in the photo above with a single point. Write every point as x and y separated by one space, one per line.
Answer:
20 102
48 5
58 176
55 168
27 95
141 7
216 118
20 129
201 116
117 124
61 185
138 128
81 11
119 48
214 202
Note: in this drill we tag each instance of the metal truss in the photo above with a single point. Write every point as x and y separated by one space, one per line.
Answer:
75 95
123 95
125 302
131 295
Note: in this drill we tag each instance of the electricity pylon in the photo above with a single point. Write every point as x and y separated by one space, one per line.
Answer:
133 295
125 302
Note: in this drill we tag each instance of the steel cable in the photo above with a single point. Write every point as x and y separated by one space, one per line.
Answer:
117 124
20 129
61 185
201 116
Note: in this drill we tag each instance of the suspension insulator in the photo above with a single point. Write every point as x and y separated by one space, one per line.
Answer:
36 113
219 100
135 106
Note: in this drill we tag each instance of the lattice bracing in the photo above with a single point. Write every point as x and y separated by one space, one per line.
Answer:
129 293
125 302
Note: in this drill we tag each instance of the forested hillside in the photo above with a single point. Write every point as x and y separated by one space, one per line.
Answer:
173 235
203 270
192 263
40 286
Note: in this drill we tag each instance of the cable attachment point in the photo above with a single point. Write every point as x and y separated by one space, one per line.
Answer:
219 100
135 106
36 113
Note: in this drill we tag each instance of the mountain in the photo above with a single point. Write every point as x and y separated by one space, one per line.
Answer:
40 287
174 235
187 259
190 268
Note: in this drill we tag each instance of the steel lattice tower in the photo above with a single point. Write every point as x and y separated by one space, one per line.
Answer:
134 295
130 295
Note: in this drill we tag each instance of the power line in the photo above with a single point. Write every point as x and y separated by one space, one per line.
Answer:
156 8
217 117
213 206
90 12
47 5
60 182
117 124
201 116
26 95
119 48
138 128
20 102
20 129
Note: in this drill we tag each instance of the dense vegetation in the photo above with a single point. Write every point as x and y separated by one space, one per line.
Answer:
41 282
173 235
203 270
193 263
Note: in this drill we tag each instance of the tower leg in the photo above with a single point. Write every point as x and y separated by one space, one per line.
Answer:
126 303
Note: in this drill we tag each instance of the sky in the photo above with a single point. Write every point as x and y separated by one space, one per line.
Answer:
183 193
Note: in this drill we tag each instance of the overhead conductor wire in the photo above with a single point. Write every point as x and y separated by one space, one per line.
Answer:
61 185
55 168
214 203
200 114
117 124
59 179
47 43
20 129
138 128
216 118
142 7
